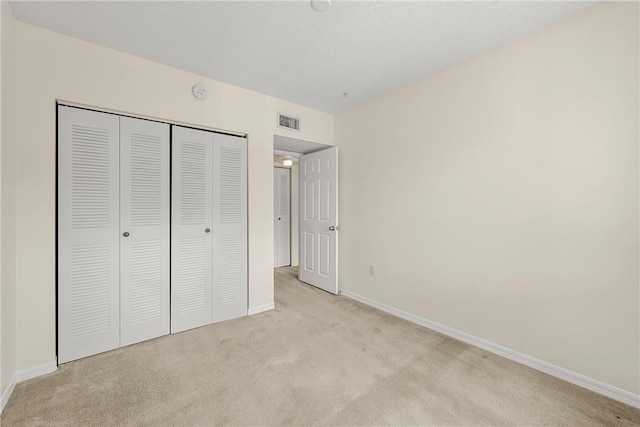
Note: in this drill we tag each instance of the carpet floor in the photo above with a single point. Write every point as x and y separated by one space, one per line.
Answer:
316 359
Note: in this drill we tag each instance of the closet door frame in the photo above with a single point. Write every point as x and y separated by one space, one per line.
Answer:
62 233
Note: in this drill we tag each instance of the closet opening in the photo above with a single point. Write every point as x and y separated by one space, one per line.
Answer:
151 229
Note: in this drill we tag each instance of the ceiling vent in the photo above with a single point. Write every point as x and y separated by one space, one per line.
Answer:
287 121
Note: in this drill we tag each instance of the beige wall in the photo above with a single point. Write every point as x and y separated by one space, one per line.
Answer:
51 66
500 196
7 197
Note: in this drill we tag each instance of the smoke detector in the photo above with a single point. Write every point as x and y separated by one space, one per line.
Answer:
321 5
200 92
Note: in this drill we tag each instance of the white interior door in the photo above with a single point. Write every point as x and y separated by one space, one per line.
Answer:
282 216
88 242
191 223
144 230
319 219
229 227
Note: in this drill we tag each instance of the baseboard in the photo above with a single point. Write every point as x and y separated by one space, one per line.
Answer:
261 308
36 371
555 371
7 392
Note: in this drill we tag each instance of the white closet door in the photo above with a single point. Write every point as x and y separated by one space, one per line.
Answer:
191 224
229 227
144 230
88 243
282 218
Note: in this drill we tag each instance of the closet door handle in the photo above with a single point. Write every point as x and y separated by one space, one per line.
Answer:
207 230
125 234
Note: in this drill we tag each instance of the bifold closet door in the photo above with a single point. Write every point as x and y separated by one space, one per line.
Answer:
88 233
144 230
191 228
229 227
113 231
209 228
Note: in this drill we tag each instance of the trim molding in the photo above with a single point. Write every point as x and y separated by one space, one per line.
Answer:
37 371
24 375
261 308
286 153
62 102
540 365
7 392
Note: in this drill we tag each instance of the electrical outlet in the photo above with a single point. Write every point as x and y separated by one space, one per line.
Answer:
372 270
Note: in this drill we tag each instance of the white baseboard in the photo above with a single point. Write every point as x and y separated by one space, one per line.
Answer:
26 374
555 371
7 392
36 371
261 308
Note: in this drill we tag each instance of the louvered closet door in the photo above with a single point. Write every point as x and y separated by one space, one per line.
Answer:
191 243
230 227
144 230
88 243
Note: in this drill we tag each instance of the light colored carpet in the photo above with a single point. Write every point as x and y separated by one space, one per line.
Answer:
316 359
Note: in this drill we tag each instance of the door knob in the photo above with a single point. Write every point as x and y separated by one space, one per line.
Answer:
334 228
125 234
207 230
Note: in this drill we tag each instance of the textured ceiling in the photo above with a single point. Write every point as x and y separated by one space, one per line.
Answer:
287 50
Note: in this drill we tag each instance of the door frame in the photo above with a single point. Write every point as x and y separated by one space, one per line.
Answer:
294 147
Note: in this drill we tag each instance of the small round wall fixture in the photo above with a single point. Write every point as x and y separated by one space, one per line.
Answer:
321 5
287 161
200 92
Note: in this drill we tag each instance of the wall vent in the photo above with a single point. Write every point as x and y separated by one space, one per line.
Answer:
288 121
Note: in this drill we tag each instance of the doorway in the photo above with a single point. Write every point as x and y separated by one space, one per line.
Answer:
313 178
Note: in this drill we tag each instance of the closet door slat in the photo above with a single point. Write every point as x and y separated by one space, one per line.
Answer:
88 244
144 218
191 217
230 227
